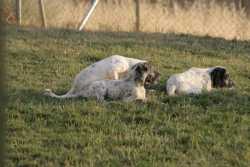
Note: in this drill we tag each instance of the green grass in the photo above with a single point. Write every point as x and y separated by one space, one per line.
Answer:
206 130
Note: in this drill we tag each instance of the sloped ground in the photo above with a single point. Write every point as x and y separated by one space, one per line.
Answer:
206 130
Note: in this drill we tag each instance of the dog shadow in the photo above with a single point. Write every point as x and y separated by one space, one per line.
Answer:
205 100
229 98
36 97
156 87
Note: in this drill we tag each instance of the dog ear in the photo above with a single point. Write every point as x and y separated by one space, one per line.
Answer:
157 74
218 76
138 68
142 67
138 73
146 66
133 67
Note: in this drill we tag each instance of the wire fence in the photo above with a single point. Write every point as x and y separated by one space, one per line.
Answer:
229 19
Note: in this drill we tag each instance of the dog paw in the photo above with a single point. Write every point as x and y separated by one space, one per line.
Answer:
141 100
100 99
151 91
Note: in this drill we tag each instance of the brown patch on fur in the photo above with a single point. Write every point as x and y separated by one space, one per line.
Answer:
123 74
110 76
152 78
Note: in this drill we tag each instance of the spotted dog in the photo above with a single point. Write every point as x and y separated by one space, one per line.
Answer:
195 80
127 89
111 68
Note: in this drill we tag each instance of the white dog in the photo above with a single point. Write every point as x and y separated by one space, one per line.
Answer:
195 80
127 89
113 68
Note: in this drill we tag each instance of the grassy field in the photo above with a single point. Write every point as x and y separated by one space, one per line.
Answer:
206 130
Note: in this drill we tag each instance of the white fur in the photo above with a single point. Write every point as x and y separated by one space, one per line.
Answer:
192 81
127 89
111 68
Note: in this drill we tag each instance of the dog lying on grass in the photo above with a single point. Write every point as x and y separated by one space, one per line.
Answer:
128 89
111 68
195 80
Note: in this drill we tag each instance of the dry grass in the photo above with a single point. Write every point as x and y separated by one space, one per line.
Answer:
211 19
114 17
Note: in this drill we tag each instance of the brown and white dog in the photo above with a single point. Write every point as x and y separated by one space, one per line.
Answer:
195 80
112 68
127 89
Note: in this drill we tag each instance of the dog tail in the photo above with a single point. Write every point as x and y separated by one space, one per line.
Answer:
69 94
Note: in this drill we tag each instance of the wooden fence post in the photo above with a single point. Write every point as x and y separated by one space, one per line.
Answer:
137 15
43 13
86 18
19 11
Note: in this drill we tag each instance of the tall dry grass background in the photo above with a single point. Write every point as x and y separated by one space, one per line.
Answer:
214 18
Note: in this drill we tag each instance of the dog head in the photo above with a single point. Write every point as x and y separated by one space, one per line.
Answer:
220 78
141 71
152 78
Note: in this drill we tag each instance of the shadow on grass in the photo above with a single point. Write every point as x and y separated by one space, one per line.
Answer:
226 99
36 97
157 87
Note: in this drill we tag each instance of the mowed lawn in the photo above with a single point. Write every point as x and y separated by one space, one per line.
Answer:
212 129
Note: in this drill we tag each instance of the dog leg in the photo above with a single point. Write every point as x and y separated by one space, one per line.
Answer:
112 75
194 91
100 99
171 91
128 99
100 94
